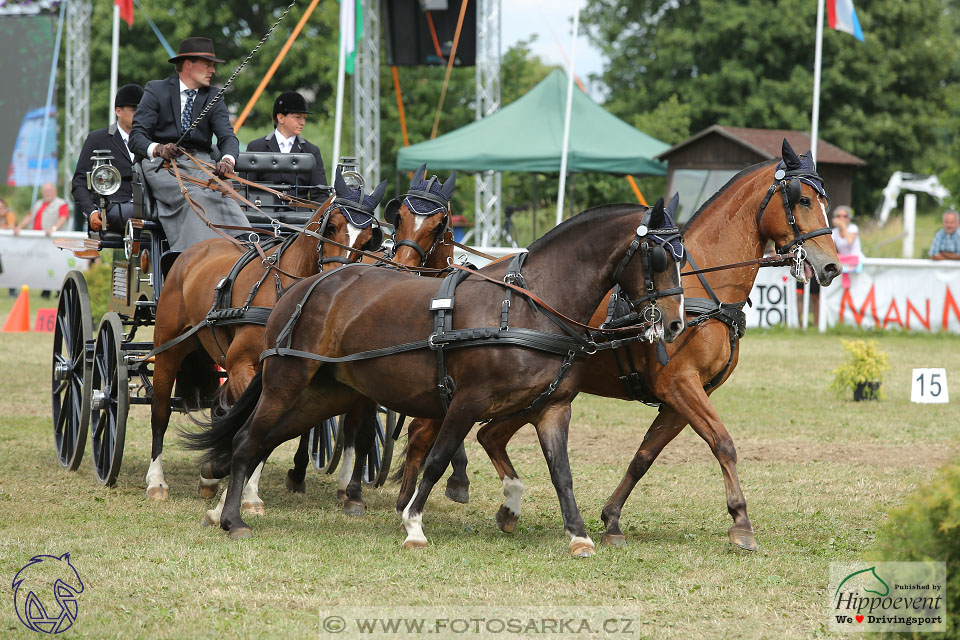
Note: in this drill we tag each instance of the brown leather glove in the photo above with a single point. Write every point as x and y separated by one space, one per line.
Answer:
168 151
223 168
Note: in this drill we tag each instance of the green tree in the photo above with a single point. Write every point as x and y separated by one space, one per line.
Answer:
750 63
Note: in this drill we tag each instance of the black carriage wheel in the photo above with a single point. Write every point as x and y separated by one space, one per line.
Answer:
71 400
378 460
325 445
109 400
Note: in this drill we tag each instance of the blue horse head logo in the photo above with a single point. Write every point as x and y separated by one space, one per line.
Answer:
45 593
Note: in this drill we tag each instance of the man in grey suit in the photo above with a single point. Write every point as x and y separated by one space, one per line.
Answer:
165 112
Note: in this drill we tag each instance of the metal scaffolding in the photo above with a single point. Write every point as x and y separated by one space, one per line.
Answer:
366 95
488 202
76 105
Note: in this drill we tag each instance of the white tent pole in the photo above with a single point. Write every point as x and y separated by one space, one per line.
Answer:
114 63
566 117
817 62
341 70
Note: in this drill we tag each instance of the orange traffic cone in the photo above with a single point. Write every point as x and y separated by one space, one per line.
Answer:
19 319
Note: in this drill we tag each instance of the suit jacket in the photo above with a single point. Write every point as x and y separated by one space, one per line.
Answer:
108 138
269 143
158 120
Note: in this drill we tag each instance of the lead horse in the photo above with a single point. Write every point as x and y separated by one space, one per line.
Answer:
524 357
784 202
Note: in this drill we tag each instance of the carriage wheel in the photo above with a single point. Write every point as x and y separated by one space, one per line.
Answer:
71 401
109 399
378 461
325 445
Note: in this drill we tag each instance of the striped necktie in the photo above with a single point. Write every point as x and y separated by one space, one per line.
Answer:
187 115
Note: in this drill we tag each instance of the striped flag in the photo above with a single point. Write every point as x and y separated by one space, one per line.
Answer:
351 23
843 17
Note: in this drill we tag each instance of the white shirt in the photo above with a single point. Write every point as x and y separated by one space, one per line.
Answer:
845 248
126 140
285 144
183 106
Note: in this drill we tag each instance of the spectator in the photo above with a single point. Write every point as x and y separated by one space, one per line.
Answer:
49 214
846 236
946 243
8 220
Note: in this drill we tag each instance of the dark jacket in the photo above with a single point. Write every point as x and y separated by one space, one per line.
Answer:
158 120
269 143
108 138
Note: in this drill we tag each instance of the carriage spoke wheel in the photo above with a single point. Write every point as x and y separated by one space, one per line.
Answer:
325 445
109 400
71 397
377 464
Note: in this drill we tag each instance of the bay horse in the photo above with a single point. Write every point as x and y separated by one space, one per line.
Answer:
734 225
189 293
525 358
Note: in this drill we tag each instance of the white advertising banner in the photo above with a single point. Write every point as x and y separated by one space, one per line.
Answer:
912 295
31 259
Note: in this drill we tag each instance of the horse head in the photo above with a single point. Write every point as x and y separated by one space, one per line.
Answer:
794 216
662 255
350 220
421 218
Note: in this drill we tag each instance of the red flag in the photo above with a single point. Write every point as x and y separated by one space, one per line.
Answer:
126 11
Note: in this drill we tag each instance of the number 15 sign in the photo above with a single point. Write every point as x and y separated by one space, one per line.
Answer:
929 386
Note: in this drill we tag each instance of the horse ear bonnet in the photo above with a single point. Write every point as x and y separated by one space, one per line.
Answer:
790 159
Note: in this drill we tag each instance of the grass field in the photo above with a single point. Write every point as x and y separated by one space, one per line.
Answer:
818 473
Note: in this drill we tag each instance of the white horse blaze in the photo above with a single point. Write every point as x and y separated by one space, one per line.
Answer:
155 474
512 492
414 525
352 234
823 210
346 468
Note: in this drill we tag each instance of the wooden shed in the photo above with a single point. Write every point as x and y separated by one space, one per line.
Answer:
701 164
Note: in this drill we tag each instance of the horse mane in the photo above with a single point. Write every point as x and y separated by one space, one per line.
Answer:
585 218
730 182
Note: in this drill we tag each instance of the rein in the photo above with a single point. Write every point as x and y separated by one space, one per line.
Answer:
765 261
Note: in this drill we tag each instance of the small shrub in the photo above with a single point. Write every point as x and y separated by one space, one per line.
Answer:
864 365
927 528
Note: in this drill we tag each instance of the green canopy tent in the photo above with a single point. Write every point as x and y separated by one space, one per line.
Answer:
527 135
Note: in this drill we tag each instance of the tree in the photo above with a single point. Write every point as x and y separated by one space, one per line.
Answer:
750 63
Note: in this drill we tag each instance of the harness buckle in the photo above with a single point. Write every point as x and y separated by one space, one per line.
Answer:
253 238
590 348
276 228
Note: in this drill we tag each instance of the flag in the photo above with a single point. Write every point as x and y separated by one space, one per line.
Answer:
126 11
351 23
843 17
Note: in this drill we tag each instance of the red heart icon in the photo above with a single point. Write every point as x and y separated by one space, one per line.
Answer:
859 618
784 278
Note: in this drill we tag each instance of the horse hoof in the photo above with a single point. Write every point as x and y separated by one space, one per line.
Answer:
253 508
458 491
241 533
742 538
613 540
158 494
582 548
354 508
506 519
341 495
296 487
209 521
207 489
414 543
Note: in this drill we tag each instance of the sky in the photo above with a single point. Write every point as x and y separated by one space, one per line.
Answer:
552 22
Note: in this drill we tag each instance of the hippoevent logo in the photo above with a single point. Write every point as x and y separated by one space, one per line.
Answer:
888 597
45 593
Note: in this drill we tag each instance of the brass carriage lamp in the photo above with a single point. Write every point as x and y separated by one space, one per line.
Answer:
104 180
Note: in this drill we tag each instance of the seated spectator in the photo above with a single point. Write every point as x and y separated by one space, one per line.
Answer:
846 236
946 243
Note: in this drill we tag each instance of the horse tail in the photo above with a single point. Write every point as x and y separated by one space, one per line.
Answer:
198 381
216 439
397 475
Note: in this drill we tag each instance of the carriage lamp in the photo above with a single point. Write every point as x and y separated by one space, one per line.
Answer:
104 178
350 170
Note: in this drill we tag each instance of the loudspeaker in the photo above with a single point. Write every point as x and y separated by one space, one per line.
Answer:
417 34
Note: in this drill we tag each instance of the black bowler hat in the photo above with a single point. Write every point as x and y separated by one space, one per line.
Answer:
128 96
289 102
196 47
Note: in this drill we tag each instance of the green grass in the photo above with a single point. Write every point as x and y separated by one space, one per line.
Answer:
818 473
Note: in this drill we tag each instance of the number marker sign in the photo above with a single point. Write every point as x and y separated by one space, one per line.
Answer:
929 386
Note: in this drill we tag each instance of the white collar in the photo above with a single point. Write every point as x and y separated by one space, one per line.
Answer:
184 87
281 139
123 134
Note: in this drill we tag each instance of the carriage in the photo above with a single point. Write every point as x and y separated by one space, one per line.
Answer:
98 373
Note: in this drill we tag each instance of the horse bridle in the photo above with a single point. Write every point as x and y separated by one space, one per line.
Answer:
790 183
654 259
345 206
390 215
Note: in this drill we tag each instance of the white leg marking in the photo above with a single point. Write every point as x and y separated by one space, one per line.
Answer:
414 525
512 492
212 516
155 474
251 492
346 468
209 483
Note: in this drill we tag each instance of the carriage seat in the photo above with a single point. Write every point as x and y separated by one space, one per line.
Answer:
251 164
